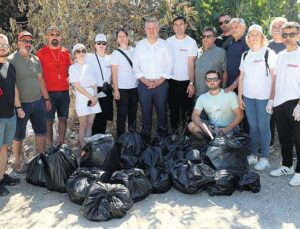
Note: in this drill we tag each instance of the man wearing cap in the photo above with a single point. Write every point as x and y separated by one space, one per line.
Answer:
152 64
9 99
32 88
55 61
225 38
182 90
100 62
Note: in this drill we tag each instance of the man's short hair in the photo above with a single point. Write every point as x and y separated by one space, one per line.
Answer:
291 25
277 19
238 20
214 72
210 29
224 14
179 18
4 37
152 20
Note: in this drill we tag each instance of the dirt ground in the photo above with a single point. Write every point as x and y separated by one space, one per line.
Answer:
275 206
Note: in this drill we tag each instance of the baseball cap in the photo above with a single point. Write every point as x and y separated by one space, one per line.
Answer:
256 28
100 37
53 27
77 46
23 34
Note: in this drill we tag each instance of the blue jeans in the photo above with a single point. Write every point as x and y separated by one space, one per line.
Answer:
259 125
7 130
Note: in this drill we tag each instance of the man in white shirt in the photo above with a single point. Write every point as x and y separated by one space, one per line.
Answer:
152 64
182 90
286 101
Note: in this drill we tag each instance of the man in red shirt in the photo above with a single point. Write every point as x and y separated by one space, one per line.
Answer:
55 61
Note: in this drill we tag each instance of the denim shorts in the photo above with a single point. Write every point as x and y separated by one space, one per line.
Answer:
36 113
7 130
60 101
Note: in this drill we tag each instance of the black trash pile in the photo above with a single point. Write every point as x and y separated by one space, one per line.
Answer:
112 175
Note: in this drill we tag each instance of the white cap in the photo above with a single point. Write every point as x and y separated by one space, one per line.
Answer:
77 46
255 27
100 37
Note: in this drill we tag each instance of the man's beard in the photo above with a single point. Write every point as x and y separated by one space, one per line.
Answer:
5 54
54 42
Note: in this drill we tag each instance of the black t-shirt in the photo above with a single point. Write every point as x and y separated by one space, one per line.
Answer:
221 41
7 92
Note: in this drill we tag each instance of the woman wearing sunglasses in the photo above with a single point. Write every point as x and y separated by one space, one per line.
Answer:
255 84
83 79
124 83
100 62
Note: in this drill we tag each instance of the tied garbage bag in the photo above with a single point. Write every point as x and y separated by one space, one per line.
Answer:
106 201
229 155
130 147
80 181
61 163
100 152
249 182
191 178
36 172
225 184
164 141
135 180
156 169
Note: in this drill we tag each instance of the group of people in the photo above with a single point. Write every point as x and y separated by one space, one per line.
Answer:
235 80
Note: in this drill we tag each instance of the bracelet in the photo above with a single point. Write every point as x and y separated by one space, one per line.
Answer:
18 108
48 99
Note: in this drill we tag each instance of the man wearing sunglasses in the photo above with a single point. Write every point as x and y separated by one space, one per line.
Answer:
224 39
286 101
55 61
222 110
32 89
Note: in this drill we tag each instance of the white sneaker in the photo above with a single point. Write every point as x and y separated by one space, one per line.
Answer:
262 164
252 159
295 180
283 170
272 149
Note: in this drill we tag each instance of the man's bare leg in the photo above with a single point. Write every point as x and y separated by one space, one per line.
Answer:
62 128
40 142
16 149
3 160
49 135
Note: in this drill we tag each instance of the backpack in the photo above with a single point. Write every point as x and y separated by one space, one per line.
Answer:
265 57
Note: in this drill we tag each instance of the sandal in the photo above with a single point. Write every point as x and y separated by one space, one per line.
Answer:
20 170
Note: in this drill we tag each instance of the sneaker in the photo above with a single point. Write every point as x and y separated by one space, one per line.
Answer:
295 180
272 149
10 181
252 159
262 164
3 190
283 170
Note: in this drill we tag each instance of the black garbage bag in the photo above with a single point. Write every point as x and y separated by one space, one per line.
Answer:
135 180
225 154
36 172
106 201
191 178
80 181
249 182
225 184
130 146
164 140
156 169
100 152
61 163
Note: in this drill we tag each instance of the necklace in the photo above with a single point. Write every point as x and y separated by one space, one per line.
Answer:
57 61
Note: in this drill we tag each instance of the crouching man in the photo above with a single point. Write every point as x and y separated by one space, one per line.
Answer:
222 110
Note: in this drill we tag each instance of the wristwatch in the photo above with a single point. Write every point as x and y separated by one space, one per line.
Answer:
191 83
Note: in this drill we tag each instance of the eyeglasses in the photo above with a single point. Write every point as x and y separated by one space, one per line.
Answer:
4 46
223 22
207 36
54 35
291 35
101 43
31 42
78 51
215 79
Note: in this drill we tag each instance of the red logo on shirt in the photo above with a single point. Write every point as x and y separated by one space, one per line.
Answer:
183 50
1 91
293 65
258 61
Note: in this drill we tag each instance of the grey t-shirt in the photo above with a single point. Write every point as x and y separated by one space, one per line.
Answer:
27 76
277 47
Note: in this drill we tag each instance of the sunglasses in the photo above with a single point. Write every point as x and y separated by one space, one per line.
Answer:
78 51
207 36
291 35
215 79
27 42
223 22
4 46
101 43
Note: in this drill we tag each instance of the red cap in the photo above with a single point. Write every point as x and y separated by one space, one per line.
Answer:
23 34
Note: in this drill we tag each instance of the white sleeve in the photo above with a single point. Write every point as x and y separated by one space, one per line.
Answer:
193 48
272 59
114 60
73 74
242 67
136 61
168 66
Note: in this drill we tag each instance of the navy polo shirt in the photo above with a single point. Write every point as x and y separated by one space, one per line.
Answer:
233 56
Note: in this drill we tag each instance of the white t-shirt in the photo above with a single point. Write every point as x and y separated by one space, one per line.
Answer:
105 65
126 78
287 71
257 84
181 50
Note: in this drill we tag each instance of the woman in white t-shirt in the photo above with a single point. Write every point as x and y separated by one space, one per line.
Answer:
83 79
255 84
124 83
